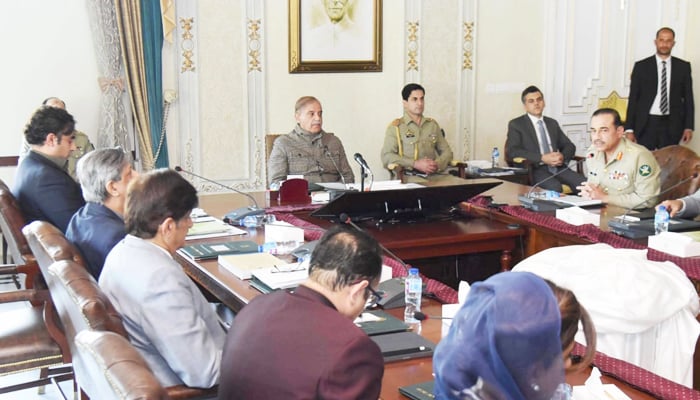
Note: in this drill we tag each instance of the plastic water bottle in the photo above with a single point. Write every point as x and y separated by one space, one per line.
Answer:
495 155
414 289
661 219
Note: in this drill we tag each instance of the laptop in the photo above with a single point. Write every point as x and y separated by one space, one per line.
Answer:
401 346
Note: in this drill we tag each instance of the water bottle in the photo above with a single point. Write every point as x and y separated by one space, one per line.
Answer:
495 154
661 220
414 289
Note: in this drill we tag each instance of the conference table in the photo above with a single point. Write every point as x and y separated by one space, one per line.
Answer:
236 293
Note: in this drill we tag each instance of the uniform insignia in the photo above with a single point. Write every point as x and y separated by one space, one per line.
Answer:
618 157
396 122
645 170
618 175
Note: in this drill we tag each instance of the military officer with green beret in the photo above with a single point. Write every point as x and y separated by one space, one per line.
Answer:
413 141
620 172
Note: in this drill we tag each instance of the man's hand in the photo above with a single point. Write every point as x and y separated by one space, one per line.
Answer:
672 206
426 166
554 159
687 135
592 191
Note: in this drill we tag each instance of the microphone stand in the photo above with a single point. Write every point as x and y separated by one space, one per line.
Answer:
528 202
236 216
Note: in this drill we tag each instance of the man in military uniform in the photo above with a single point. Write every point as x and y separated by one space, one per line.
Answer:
414 142
620 172
81 141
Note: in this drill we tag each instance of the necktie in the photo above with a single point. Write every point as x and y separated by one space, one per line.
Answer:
663 104
544 143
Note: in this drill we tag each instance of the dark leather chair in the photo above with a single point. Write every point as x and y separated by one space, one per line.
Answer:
30 337
113 369
519 162
13 242
677 163
80 302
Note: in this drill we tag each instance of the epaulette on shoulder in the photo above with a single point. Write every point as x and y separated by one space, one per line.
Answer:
396 122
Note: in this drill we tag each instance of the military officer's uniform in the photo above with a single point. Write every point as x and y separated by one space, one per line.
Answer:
630 178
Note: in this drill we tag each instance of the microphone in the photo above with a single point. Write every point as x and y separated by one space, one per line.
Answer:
527 200
393 289
364 167
361 161
236 216
422 317
682 181
330 156
529 193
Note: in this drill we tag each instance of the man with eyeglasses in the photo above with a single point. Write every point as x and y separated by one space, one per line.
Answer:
43 188
304 344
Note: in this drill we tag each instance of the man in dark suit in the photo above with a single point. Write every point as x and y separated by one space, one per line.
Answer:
541 141
661 111
44 189
304 344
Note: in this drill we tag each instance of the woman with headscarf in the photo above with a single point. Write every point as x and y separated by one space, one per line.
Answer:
504 343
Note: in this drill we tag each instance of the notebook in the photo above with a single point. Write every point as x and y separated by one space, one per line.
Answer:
403 346
419 391
378 322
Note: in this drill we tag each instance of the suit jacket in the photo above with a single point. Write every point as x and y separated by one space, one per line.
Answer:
46 192
94 230
522 140
298 346
692 206
643 89
168 319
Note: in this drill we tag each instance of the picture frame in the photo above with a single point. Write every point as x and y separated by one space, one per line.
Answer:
335 36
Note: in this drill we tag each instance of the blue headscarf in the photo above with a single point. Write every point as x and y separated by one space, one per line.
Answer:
503 343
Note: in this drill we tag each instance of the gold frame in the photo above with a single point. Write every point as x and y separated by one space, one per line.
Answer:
297 65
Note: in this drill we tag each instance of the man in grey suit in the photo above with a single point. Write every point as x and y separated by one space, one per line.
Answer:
687 207
661 111
541 141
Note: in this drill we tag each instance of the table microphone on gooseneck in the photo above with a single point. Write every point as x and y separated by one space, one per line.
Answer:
422 317
236 216
394 288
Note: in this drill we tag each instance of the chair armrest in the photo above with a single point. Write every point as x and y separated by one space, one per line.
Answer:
579 164
396 171
31 295
181 392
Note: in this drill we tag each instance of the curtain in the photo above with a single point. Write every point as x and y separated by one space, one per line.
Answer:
128 13
152 28
112 130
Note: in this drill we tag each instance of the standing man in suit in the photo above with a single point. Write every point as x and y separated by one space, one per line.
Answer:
44 189
540 140
661 111
303 344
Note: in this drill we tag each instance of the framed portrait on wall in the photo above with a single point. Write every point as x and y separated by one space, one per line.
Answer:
335 36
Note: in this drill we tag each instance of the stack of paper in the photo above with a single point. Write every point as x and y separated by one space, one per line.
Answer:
285 276
243 265
208 227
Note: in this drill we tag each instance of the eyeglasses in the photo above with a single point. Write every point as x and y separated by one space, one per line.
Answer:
373 296
287 268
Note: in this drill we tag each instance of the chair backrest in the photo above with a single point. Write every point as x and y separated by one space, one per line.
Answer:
108 367
49 244
11 223
615 102
269 142
79 300
677 163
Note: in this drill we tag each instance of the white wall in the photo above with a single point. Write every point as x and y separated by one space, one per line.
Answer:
47 52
